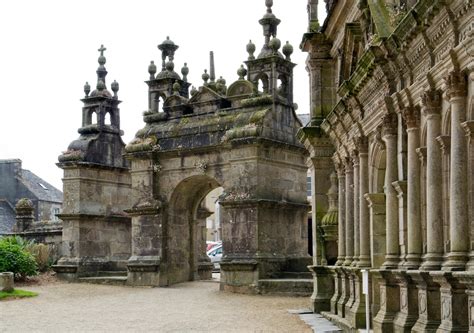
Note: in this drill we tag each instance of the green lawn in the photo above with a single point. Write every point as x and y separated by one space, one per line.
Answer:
16 293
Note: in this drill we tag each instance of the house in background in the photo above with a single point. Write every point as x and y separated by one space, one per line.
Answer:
17 183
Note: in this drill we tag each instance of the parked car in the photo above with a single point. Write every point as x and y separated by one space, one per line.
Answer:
211 244
215 254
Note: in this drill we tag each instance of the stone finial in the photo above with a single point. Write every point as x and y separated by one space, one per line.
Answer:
115 88
101 85
170 66
251 50
205 77
193 91
101 71
24 214
269 4
152 70
275 44
185 72
167 48
212 74
242 72
269 23
221 85
288 50
87 89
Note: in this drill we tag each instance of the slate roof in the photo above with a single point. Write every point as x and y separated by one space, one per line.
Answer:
304 118
7 217
40 188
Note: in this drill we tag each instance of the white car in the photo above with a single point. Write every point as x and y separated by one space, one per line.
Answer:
215 254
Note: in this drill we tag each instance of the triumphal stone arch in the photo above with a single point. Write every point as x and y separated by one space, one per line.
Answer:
241 138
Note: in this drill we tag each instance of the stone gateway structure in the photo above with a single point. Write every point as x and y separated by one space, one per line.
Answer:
139 207
392 105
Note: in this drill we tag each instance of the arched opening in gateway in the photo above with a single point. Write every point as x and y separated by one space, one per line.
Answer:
186 230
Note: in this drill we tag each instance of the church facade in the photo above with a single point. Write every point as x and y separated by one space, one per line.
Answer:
392 153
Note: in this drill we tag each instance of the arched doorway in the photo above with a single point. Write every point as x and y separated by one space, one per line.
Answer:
185 250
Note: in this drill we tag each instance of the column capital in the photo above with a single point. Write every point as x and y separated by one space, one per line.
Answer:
349 165
431 100
355 157
445 143
422 151
456 84
411 115
340 170
468 127
362 144
389 125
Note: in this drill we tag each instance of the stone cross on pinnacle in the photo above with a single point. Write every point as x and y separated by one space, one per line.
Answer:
102 49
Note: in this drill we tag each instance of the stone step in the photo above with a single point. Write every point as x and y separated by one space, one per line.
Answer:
288 287
296 275
111 273
110 280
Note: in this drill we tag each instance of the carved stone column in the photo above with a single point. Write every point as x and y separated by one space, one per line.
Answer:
392 255
349 230
454 303
415 241
341 176
469 128
434 208
364 216
355 159
458 214
429 306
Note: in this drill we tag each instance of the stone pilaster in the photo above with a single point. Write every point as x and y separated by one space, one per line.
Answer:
429 306
349 230
389 301
377 227
415 241
434 203
355 159
392 255
364 214
458 214
454 303
341 176
469 129
408 314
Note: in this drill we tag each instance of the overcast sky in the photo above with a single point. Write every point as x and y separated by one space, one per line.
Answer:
49 50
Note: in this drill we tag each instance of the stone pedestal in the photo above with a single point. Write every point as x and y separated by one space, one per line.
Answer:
345 293
239 276
429 306
6 282
323 288
144 271
337 290
357 317
389 302
454 303
467 279
408 314
351 300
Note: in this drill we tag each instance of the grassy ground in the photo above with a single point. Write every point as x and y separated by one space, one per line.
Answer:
16 293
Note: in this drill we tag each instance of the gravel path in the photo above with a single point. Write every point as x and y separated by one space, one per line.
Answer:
186 307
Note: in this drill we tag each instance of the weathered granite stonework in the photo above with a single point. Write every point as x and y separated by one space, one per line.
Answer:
398 75
138 207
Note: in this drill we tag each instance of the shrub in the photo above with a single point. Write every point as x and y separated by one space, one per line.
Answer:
15 258
41 254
